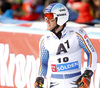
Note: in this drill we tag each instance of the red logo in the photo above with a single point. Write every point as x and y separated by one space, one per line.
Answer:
85 36
53 67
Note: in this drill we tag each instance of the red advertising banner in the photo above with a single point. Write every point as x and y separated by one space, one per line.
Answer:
18 52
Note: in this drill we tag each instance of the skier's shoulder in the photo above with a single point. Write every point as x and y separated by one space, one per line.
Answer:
45 37
75 29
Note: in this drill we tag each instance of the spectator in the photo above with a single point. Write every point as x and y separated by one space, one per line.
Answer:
96 9
0 7
70 2
6 9
32 10
95 5
84 9
17 11
11 9
47 2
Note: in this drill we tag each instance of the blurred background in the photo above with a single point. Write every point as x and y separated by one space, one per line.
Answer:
81 11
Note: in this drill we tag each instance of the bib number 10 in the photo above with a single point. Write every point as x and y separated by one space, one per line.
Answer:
65 59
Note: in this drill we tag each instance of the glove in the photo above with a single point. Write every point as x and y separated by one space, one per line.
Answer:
39 82
85 79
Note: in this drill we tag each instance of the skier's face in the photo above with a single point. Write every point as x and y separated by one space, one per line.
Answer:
51 24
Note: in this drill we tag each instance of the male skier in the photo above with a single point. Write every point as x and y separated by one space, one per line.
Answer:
63 50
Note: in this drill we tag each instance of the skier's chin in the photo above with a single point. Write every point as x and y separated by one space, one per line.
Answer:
49 28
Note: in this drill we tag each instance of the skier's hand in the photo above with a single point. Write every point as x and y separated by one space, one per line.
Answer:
39 82
85 79
84 82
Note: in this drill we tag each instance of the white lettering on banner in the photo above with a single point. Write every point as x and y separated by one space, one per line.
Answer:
19 75
4 53
25 73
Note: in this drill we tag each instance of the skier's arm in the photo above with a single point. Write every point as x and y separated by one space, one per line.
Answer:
43 56
89 49
85 43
